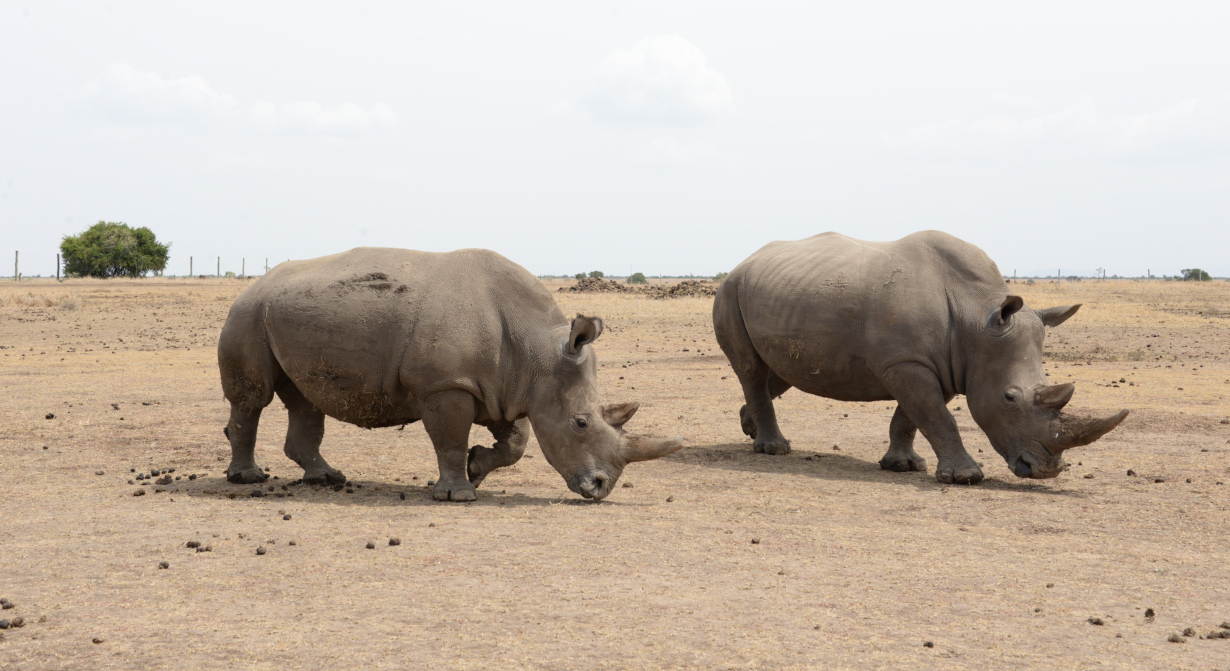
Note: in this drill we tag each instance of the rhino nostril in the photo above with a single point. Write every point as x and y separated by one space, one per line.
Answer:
1022 469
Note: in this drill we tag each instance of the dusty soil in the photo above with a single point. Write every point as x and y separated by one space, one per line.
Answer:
712 558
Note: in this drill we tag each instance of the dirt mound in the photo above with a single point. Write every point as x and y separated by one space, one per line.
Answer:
685 289
598 285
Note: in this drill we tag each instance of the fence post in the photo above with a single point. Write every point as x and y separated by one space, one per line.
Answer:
218 272
57 267
189 266
243 267
16 274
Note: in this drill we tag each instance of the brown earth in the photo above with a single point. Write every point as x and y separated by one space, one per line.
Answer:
681 289
712 558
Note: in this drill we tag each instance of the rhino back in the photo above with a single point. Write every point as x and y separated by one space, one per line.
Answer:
829 314
367 334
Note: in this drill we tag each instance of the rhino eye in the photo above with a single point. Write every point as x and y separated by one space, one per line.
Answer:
581 422
1010 397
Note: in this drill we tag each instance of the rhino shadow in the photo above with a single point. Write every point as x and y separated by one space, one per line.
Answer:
839 466
366 494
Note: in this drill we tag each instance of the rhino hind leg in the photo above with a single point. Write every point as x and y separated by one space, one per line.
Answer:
241 431
304 433
510 441
447 417
901 456
758 418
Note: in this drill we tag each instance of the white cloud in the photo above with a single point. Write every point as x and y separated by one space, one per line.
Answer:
661 80
251 159
1078 129
126 94
670 150
312 117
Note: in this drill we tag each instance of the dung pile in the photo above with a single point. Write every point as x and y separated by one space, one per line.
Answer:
598 285
685 289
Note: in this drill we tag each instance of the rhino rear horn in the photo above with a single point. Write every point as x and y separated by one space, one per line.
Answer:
1077 431
618 414
1055 396
643 448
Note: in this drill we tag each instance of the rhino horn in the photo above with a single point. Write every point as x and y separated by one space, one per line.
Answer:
1077 431
1055 396
644 448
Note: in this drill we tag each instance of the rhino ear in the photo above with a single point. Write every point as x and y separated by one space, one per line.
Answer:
584 331
618 414
1009 307
1057 315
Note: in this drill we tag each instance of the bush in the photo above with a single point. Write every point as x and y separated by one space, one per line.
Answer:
637 278
579 276
112 249
1195 275
720 276
596 274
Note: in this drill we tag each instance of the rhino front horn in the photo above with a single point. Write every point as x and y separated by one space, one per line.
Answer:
642 448
1077 431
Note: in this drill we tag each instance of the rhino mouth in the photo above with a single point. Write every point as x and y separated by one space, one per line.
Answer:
594 485
1026 466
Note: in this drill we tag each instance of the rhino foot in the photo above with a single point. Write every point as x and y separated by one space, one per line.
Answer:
249 476
462 491
477 464
745 421
771 447
959 475
329 476
902 463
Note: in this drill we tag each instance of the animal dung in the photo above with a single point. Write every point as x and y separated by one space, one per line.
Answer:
50 415
192 544
669 499
928 644
260 550
139 492
1149 613
394 541
1175 638
1089 476
403 496
627 485
98 472
1131 473
371 545
1189 632
96 640
755 541
163 564
1096 621
286 517
256 493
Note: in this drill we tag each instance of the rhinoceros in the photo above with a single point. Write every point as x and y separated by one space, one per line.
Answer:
385 337
918 320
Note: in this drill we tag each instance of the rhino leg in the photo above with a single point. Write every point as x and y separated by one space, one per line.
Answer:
921 396
510 441
241 430
759 415
901 456
448 416
305 430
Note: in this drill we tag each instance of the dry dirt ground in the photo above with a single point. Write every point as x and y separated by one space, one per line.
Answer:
712 558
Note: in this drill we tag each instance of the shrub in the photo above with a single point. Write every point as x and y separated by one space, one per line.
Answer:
1195 275
720 276
637 278
579 276
112 249
596 274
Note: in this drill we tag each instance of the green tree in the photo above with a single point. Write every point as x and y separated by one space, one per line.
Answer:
637 278
720 276
112 249
1195 275
579 276
596 274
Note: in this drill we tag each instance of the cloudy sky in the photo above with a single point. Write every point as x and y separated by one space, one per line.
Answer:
656 137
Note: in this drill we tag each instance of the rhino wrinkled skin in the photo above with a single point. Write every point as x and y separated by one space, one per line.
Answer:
385 337
917 320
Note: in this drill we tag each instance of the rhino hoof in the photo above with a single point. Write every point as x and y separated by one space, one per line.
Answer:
745 421
774 447
330 477
464 493
903 464
966 475
249 477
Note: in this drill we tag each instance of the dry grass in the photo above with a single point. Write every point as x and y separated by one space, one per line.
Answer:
854 568
65 301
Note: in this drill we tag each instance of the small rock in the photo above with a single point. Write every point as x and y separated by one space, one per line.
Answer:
394 541
431 483
1050 585
1149 613
260 550
403 496
4 624
431 524
205 548
286 517
291 543
8 605
755 541
1189 481
98 472
669 499
1225 625
192 477
256 493
97 640
1089 476
1189 632
139 492
1159 479
627 485
17 622
51 415
155 473
163 564
1131 473
1175 638
1216 634
371 545
42 620
929 644
192 544
1096 621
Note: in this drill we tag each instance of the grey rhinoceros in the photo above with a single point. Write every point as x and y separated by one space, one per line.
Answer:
918 320
384 337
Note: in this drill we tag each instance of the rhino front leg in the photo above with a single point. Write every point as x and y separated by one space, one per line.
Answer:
920 395
448 416
901 456
241 431
510 441
304 433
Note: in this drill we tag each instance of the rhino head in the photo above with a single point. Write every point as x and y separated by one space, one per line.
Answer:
1010 399
582 438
